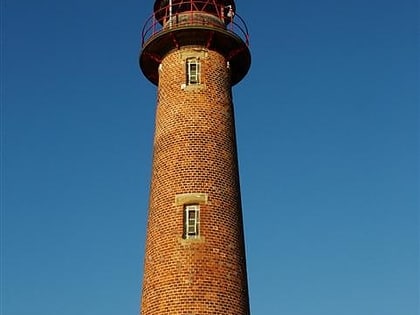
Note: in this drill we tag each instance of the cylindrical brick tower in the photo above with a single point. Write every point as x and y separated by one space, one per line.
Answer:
194 51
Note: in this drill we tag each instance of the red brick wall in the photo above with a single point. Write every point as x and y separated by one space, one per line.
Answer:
195 152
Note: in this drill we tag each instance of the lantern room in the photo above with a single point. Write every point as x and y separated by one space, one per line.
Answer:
209 24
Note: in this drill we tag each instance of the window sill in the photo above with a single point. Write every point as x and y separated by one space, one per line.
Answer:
189 241
193 87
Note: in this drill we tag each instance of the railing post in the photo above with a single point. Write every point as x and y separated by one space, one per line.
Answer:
170 13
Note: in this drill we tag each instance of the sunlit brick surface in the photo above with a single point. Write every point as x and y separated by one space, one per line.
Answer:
195 152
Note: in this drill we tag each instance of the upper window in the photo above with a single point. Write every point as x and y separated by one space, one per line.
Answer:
193 71
192 221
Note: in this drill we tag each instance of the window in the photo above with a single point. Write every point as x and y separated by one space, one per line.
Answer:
192 221
193 71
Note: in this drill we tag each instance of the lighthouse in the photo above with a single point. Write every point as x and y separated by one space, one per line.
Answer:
194 261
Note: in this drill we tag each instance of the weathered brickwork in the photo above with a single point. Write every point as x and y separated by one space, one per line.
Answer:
195 152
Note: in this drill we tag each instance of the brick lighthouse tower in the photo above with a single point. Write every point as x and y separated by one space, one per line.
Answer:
195 51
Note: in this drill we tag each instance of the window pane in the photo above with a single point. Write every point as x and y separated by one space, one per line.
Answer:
191 220
193 71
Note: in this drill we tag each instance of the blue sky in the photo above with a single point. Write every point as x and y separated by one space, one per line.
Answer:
328 139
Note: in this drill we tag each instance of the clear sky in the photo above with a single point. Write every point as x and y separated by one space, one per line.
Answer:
328 139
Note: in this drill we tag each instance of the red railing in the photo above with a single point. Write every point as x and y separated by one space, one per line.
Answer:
184 14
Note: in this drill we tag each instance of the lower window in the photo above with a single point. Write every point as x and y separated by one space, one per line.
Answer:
192 221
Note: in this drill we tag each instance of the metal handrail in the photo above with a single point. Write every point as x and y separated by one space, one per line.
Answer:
152 26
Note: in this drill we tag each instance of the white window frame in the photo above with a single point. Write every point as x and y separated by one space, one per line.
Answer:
192 221
193 71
